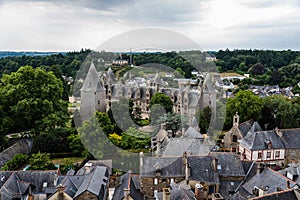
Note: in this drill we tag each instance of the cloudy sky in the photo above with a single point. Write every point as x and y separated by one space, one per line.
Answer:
62 25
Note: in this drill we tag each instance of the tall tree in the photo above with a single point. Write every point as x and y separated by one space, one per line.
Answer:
248 105
32 100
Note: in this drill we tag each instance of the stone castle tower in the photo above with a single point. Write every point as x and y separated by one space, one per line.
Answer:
93 94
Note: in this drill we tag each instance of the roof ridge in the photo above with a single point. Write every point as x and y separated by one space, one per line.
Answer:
269 194
282 175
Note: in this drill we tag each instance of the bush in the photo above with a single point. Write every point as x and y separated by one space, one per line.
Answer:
15 162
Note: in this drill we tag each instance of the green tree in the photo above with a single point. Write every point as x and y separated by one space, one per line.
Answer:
163 100
15 162
75 144
248 105
135 139
32 100
105 123
203 117
280 112
41 161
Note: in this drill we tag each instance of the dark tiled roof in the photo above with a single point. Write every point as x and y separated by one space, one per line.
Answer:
229 164
127 182
291 138
169 166
94 181
177 146
268 178
250 169
191 133
19 182
258 140
227 188
201 169
282 195
245 127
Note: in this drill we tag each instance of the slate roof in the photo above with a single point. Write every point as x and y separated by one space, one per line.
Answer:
18 182
127 183
92 81
291 138
201 169
177 146
227 188
191 133
268 178
258 140
282 195
229 164
94 181
169 166
72 184
245 127
22 147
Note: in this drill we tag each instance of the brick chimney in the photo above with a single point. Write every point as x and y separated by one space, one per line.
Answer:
215 164
126 193
166 194
186 167
199 192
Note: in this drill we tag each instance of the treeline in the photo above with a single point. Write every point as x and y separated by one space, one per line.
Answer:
68 63
270 112
266 67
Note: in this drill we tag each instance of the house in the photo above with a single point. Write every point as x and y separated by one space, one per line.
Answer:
93 185
157 173
128 188
267 182
211 176
191 141
290 139
262 146
27 184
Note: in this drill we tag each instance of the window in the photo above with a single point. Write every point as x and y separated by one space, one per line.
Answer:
98 102
259 156
268 154
234 138
277 154
155 181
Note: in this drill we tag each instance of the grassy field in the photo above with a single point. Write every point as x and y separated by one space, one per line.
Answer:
62 161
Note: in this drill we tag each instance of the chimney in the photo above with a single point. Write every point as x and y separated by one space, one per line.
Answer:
199 193
158 148
215 164
278 132
259 168
141 158
126 193
166 194
186 167
183 131
61 188
288 184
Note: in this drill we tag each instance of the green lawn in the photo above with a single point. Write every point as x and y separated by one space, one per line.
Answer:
62 161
